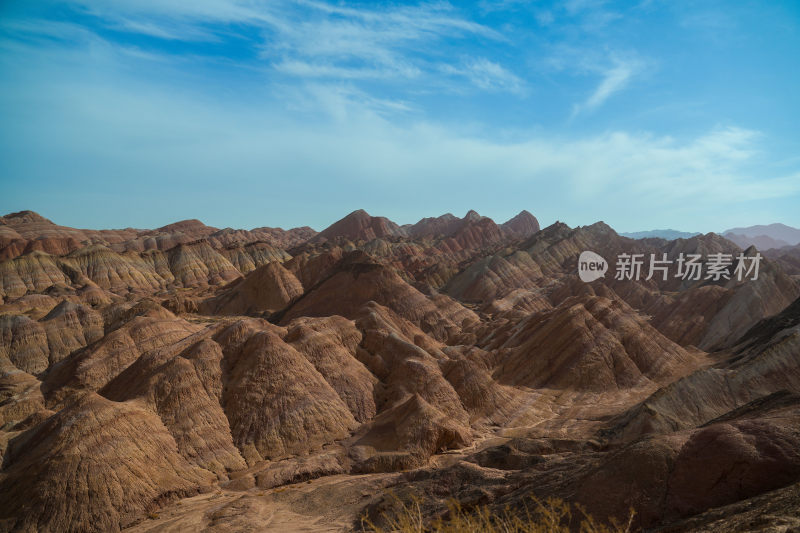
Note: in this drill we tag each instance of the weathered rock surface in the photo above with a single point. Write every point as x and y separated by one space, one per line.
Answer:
331 344
670 477
766 361
358 280
97 465
589 343
185 390
20 395
495 277
359 225
276 401
522 225
267 289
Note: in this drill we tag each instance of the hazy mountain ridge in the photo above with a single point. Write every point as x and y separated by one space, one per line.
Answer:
668 234
765 237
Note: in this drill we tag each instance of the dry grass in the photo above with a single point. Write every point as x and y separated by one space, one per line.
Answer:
549 516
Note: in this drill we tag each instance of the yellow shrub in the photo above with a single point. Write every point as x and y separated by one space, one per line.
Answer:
550 516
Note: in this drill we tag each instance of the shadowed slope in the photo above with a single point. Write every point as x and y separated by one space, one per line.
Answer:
766 361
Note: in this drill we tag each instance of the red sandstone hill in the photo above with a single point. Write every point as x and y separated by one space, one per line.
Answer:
524 224
359 225
441 226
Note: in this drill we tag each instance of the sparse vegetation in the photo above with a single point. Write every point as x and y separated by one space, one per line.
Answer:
549 516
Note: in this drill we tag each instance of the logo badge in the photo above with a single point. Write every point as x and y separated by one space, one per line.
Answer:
591 266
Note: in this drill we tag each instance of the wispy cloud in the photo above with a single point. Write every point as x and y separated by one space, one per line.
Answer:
342 102
305 69
368 43
487 75
308 38
163 31
614 78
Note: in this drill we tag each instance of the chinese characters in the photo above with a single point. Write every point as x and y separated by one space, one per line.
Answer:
718 266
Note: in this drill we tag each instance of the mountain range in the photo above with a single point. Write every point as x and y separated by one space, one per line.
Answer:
197 378
769 237
668 234
781 234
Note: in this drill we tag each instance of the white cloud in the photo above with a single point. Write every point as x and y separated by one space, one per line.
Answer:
307 38
615 78
183 33
341 102
305 69
487 75
615 68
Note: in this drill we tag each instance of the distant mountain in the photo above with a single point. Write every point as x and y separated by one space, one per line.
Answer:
762 242
524 224
465 232
779 232
360 225
669 234
787 257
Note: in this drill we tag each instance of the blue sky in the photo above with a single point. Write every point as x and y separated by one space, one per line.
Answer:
646 115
